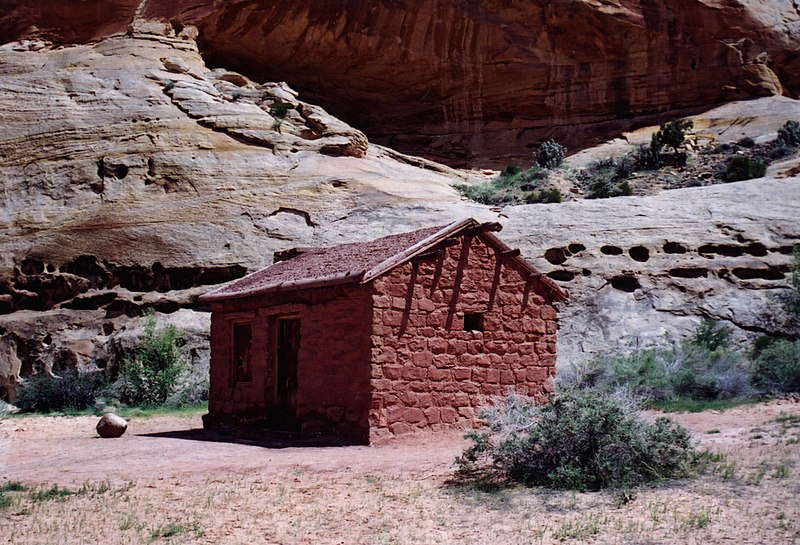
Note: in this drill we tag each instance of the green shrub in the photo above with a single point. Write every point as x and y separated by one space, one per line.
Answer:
672 133
608 188
777 367
5 409
550 154
701 368
191 387
746 142
778 151
279 110
711 335
741 167
789 134
649 157
510 186
510 170
72 390
790 299
581 440
552 195
148 375
607 177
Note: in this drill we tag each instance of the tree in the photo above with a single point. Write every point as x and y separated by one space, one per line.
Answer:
672 133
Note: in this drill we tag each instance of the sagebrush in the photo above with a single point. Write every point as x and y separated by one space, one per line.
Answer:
72 390
704 367
580 440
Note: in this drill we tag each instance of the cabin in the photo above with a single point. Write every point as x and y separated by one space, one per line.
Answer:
376 339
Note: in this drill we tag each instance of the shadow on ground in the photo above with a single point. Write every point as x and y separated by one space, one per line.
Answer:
265 438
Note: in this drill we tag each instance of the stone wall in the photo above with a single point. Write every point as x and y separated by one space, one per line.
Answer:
333 369
428 371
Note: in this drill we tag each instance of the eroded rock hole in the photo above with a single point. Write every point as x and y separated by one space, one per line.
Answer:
674 248
610 250
731 250
556 256
91 302
747 273
576 248
625 283
31 266
688 272
639 253
563 276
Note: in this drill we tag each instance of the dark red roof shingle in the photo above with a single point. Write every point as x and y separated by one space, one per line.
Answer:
336 262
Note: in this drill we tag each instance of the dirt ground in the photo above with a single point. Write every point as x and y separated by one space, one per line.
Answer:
163 483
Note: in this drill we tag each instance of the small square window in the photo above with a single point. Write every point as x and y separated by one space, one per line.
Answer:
473 321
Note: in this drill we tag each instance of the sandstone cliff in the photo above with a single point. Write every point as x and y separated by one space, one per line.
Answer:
473 82
133 176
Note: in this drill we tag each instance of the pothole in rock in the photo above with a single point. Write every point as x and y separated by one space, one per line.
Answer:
562 275
747 273
625 283
674 248
639 253
555 256
755 249
688 272
610 250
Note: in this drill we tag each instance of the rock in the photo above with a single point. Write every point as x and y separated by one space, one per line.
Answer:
475 82
127 187
111 426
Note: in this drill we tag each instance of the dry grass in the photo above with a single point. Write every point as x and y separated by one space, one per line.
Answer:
402 495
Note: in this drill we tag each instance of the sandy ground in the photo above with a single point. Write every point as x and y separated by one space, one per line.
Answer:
162 482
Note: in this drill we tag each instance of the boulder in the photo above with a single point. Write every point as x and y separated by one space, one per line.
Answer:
111 426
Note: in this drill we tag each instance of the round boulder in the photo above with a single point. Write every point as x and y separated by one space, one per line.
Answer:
111 425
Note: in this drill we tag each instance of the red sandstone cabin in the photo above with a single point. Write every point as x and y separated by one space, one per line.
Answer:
380 338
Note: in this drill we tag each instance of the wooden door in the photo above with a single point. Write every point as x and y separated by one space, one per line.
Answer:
288 346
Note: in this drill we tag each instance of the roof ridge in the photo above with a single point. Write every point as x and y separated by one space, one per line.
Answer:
424 244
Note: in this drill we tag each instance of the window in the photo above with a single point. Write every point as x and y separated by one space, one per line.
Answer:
473 321
242 341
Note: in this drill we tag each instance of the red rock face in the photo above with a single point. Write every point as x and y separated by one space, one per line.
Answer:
482 82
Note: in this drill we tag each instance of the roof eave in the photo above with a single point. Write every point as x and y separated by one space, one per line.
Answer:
308 283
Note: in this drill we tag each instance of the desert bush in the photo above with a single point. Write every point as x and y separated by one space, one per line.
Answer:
510 170
5 409
191 387
550 154
779 151
279 110
149 374
552 195
789 134
608 188
649 157
789 300
777 367
72 390
741 167
704 367
580 440
746 142
606 178
712 336
509 186
672 133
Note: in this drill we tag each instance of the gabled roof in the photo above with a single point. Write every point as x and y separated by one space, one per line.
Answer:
362 262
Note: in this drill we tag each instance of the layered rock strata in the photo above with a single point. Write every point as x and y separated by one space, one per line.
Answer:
473 82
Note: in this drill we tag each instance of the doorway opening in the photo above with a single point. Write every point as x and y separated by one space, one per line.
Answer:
288 345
